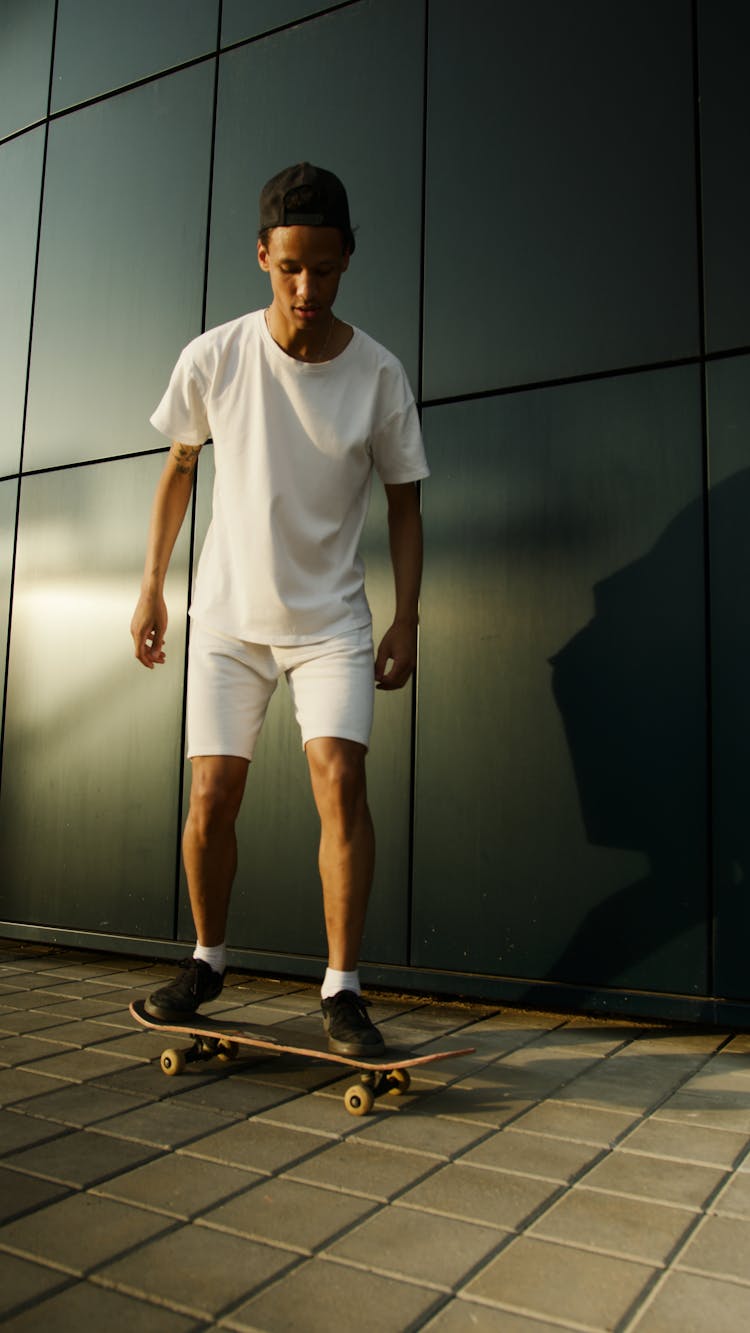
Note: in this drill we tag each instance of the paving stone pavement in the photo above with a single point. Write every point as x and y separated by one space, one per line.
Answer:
574 1173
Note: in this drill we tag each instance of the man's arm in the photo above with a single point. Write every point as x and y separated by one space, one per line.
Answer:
149 624
399 643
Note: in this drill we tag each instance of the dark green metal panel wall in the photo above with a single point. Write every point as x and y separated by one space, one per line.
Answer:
552 213
120 260
87 817
729 440
20 184
560 191
561 800
723 36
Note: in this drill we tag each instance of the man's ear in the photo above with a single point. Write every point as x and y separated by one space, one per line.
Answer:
263 256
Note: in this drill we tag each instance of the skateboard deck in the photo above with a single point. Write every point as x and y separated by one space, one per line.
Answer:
386 1073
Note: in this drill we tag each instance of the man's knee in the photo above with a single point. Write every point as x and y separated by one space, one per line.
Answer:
338 774
216 792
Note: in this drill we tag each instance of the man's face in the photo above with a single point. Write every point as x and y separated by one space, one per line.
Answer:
305 266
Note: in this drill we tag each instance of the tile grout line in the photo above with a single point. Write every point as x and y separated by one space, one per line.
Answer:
381 1206
556 1197
32 1302
526 1312
635 1315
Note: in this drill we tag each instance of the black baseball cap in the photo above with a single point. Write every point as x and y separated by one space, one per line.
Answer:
306 196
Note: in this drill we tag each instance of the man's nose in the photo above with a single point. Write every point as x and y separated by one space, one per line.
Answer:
306 285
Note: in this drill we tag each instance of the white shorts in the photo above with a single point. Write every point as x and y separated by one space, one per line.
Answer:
230 684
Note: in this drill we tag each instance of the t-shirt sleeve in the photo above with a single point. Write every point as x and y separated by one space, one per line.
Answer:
181 414
397 446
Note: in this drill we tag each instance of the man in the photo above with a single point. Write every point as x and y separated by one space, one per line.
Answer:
301 407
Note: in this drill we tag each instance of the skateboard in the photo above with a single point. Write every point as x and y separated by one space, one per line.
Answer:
388 1073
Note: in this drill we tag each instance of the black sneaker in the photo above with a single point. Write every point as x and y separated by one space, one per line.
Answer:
349 1029
196 983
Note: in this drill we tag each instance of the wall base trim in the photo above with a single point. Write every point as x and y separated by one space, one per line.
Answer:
521 992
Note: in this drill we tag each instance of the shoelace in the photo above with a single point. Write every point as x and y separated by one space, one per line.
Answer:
189 963
347 1000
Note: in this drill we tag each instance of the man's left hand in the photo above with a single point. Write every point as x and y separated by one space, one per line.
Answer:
397 656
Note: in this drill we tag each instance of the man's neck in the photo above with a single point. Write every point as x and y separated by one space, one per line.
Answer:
317 345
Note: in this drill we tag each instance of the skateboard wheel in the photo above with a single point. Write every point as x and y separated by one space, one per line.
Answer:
359 1100
227 1050
399 1082
172 1062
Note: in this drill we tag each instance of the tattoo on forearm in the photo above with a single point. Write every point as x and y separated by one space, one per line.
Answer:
185 458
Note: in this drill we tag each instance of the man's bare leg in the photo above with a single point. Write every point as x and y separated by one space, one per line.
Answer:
347 843
346 860
209 842
210 854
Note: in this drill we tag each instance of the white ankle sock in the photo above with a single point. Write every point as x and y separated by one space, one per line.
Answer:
215 955
334 981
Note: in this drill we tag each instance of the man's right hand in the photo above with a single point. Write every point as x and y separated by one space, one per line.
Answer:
149 623
148 628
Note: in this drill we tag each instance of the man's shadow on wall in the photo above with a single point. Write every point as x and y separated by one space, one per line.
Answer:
631 689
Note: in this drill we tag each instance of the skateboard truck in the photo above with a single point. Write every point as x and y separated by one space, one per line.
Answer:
360 1098
174 1059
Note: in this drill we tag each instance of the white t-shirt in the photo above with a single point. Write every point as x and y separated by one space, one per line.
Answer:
295 444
